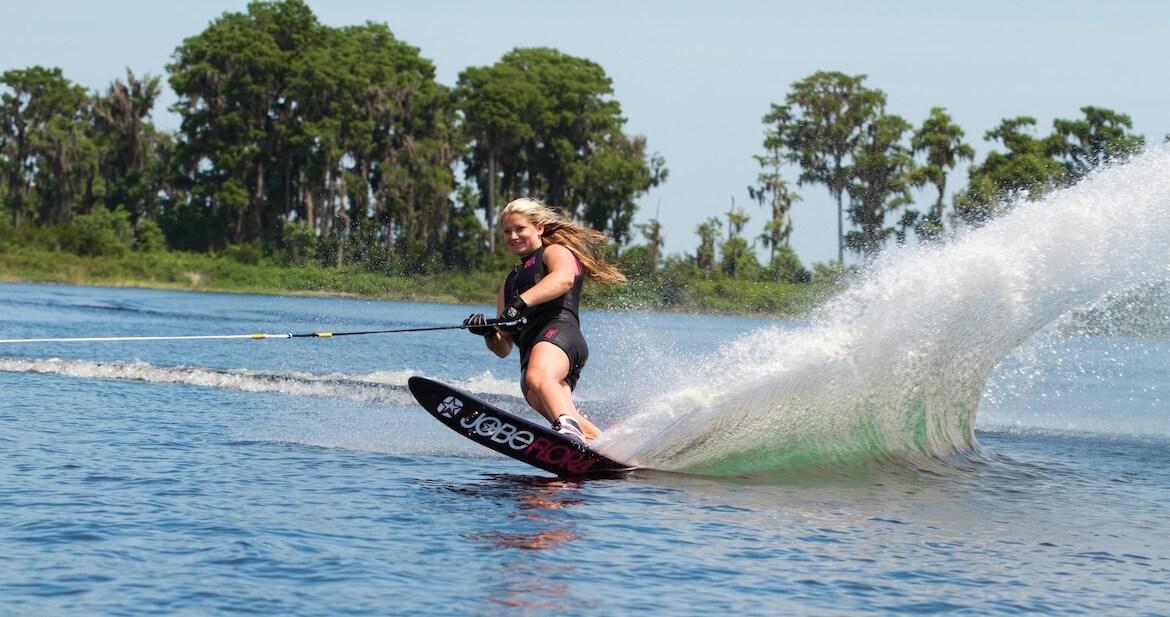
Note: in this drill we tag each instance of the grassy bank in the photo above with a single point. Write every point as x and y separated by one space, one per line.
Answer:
203 272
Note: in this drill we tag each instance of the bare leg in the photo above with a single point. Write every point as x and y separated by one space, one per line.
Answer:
548 390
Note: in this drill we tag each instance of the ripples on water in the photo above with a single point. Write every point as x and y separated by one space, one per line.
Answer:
152 486
143 498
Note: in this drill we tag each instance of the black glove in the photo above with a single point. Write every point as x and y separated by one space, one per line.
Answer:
517 311
477 325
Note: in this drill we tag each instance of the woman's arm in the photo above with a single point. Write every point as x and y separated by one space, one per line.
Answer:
562 269
501 342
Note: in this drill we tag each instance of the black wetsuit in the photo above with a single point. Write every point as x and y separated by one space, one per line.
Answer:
555 321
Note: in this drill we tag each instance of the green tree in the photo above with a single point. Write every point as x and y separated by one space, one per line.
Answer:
736 220
575 111
405 158
879 182
49 155
828 113
909 220
128 145
785 266
103 232
238 112
466 237
616 173
148 237
636 262
941 140
23 112
737 253
1028 170
342 128
772 190
708 232
544 123
1100 138
652 232
738 257
494 101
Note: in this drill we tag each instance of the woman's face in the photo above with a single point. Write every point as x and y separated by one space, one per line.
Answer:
521 236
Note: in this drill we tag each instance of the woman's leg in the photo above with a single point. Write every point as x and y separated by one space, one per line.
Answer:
548 390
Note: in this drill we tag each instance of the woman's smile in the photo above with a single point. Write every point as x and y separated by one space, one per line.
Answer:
521 235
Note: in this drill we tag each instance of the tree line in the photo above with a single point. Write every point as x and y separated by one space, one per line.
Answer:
337 145
836 132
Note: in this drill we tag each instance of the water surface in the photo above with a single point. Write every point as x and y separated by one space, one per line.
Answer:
297 477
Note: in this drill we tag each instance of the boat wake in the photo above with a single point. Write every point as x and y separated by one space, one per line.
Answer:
381 387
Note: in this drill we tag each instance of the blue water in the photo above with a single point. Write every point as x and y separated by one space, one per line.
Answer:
296 477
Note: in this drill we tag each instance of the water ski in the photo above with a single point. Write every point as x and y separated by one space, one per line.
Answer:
521 439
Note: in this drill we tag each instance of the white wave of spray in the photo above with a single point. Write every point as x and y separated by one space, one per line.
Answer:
386 387
894 367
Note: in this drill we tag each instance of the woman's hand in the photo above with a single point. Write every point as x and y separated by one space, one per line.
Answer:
477 324
515 313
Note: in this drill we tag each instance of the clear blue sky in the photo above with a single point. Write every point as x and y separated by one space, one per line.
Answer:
696 77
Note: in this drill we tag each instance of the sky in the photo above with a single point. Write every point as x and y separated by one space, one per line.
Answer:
695 78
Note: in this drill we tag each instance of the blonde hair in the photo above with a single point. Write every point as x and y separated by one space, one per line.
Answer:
584 243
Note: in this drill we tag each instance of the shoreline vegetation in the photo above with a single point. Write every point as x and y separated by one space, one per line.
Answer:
225 273
315 159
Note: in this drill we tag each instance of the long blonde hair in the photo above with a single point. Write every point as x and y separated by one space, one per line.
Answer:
586 244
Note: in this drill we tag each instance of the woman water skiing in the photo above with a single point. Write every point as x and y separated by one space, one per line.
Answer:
556 255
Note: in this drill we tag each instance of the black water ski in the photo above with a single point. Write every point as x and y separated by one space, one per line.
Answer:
505 433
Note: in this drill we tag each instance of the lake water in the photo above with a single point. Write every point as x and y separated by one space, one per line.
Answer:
297 477
937 439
